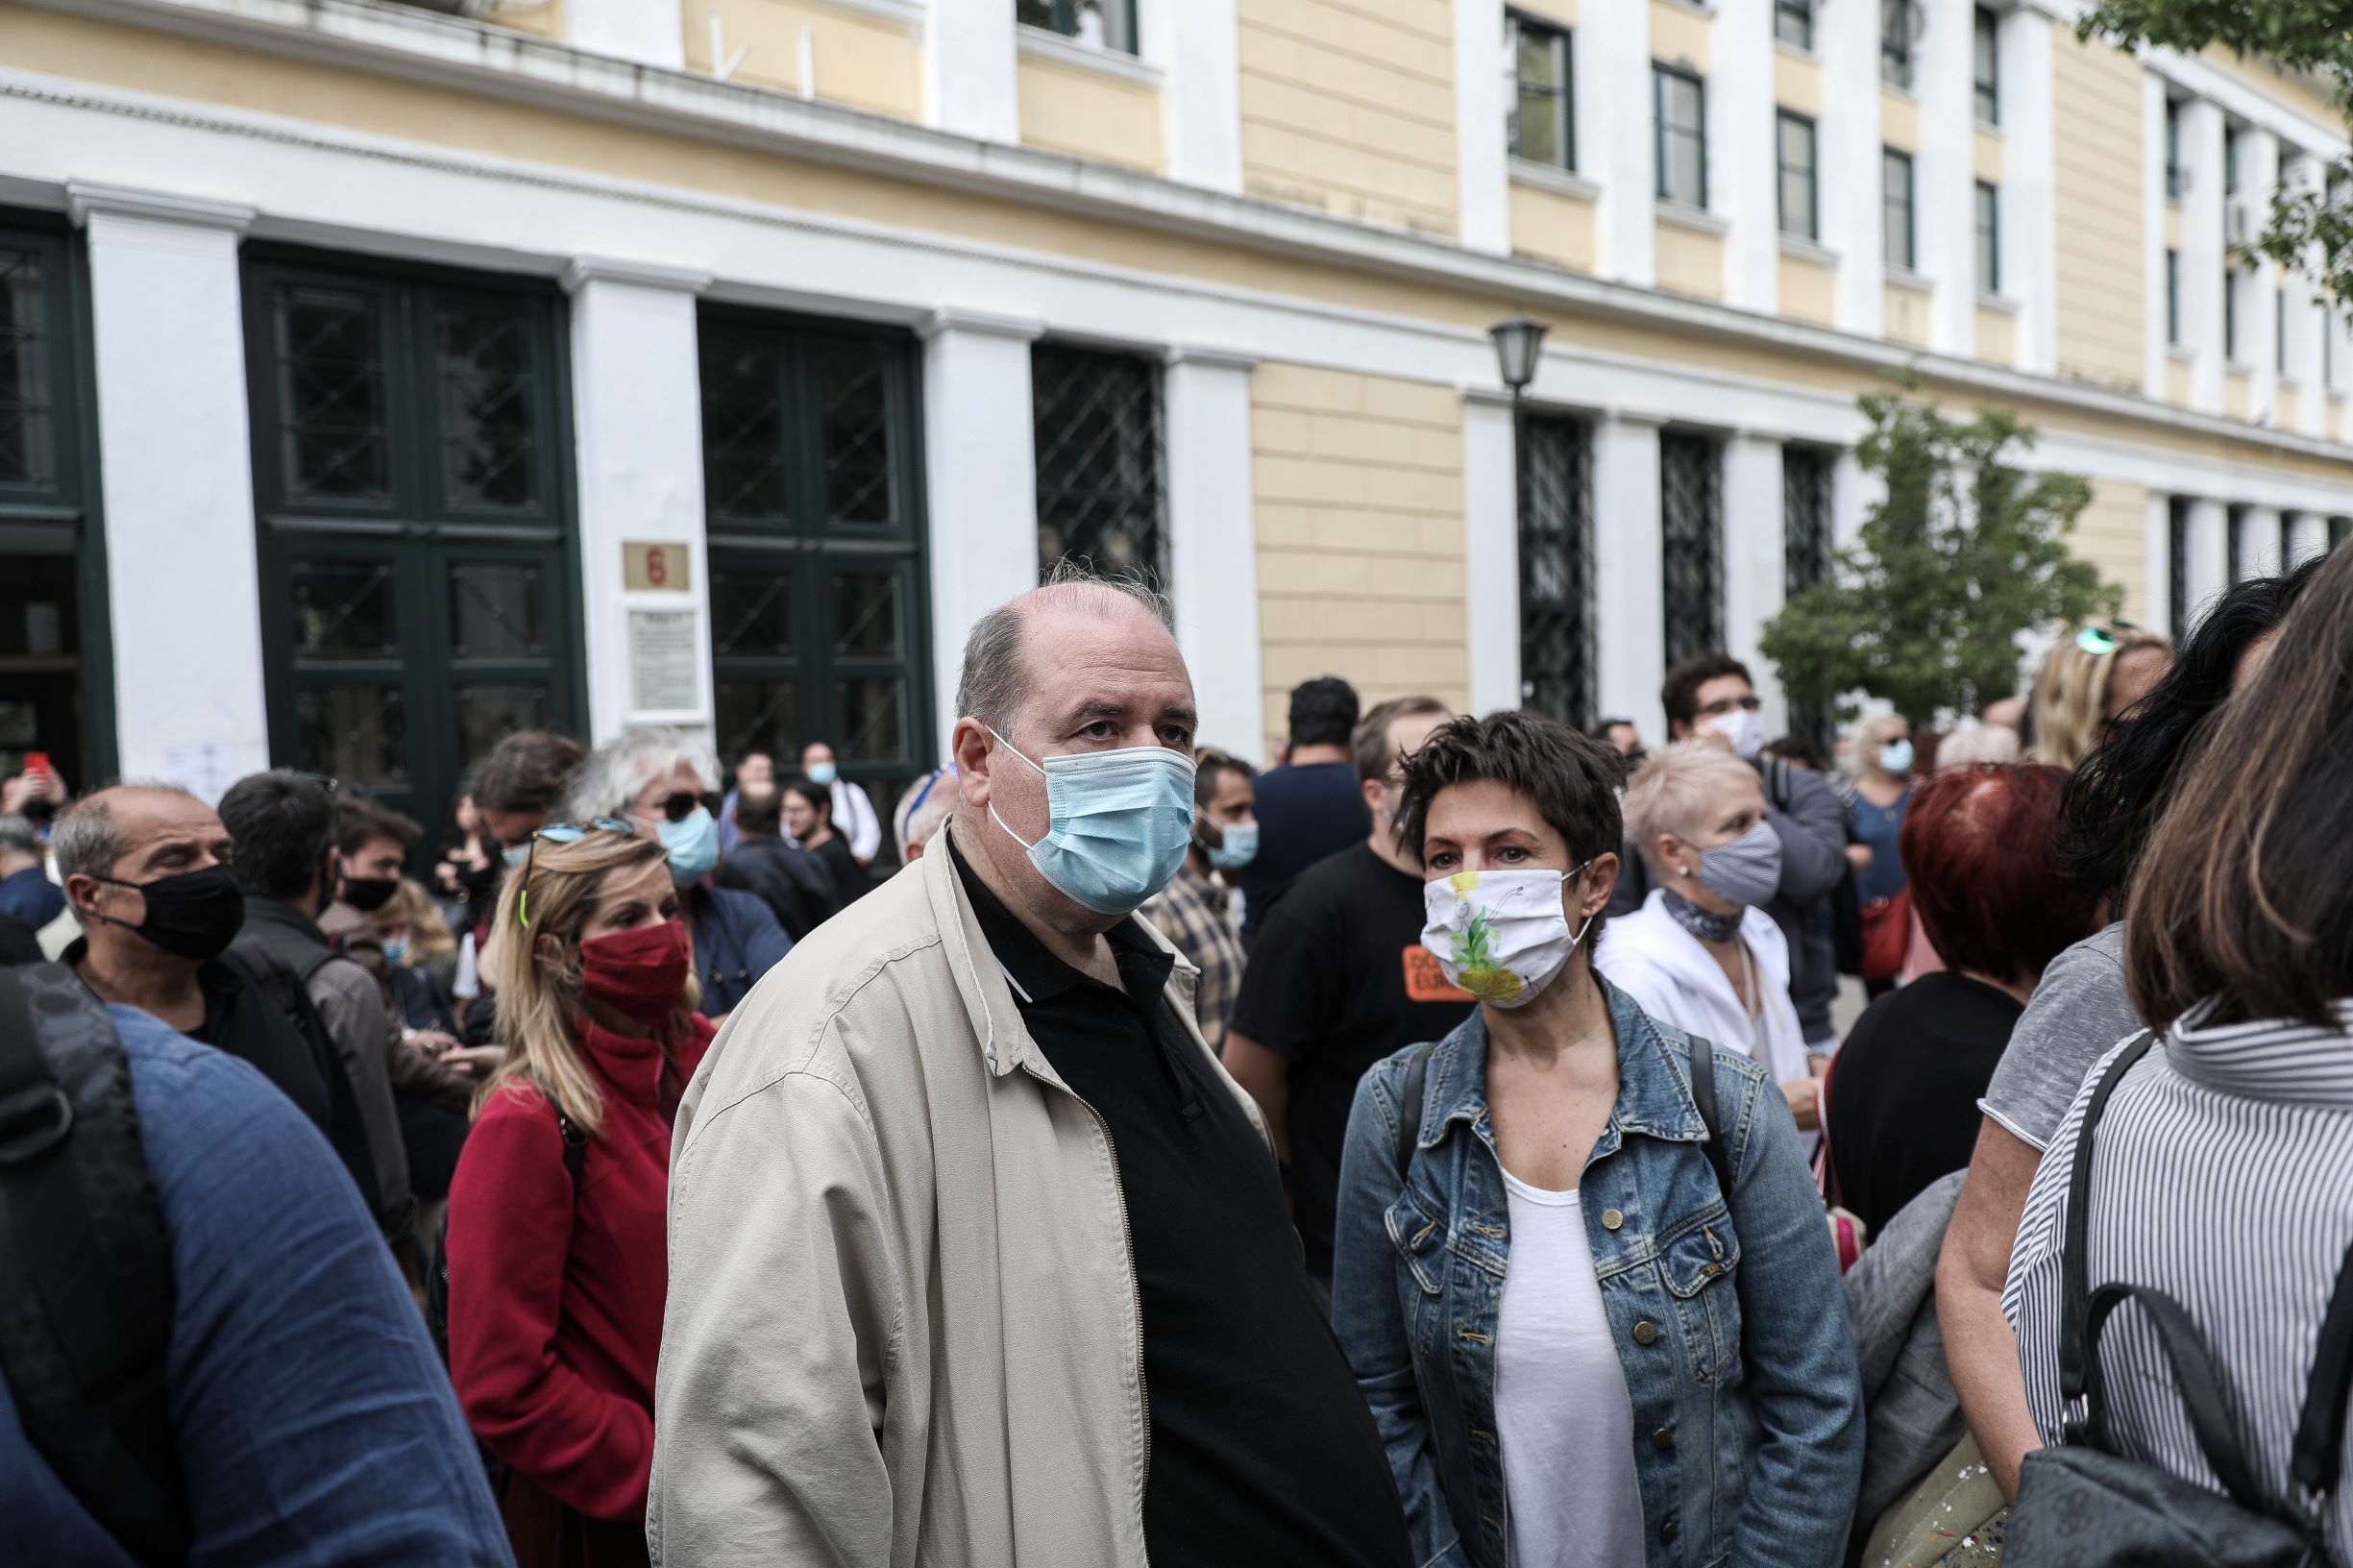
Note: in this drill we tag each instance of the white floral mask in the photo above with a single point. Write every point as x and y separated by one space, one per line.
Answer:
1502 936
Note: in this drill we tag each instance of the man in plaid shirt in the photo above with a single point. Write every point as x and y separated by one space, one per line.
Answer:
1196 911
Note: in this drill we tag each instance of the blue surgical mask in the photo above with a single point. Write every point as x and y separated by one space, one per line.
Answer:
1118 823
1239 850
1896 756
396 950
693 845
515 854
824 773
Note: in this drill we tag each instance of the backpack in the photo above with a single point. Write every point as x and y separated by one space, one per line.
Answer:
438 1271
85 1264
2081 1504
252 958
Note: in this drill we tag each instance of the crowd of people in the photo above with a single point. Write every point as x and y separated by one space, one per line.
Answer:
1466 1142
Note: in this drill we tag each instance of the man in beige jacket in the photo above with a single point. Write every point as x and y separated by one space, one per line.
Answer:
976 1257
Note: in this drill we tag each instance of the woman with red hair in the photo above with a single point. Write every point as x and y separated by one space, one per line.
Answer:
1980 860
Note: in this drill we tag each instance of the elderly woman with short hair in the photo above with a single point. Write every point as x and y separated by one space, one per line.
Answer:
1701 953
656 782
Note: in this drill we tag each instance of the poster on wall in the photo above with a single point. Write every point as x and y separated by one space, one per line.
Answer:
665 665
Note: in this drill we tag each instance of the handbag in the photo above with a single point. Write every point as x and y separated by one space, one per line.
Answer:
1887 936
2082 1505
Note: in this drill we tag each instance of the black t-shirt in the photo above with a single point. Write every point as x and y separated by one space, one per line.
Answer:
851 882
1337 980
1904 1090
1305 815
1263 1450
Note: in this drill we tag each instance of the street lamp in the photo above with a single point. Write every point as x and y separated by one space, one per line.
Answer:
1517 342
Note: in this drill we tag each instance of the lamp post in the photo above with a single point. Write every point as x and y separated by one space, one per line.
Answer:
1518 341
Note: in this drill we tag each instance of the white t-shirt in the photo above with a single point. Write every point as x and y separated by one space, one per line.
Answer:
1560 1405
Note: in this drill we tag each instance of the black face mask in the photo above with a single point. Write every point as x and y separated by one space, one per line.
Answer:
192 914
369 894
480 882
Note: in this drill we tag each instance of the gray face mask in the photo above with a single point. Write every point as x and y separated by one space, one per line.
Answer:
1746 871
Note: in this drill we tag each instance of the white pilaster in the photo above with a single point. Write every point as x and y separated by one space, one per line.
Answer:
2202 252
2258 544
2156 350
1629 577
181 579
1212 542
971 69
1615 131
2029 217
2259 329
1743 178
2306 316
2157 563
1854 493
637 413
1483 87
644 31
2307 536
1492 539
1755 569
981 479
1946 188
1201 91
1848 147
2208 556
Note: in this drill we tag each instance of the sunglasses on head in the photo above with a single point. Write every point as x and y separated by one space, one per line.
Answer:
560 833
2099 640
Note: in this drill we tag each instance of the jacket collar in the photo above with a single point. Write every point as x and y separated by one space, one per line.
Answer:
629 1065
280 915
1653 1092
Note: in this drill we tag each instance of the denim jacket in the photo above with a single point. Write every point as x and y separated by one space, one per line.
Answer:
1748 1408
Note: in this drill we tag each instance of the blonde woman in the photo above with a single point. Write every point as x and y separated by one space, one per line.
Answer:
2085 682
555 1250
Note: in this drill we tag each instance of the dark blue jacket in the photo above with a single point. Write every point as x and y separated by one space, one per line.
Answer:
737 940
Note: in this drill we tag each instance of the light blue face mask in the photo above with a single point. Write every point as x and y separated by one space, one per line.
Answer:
396 949
1896 756
1118 826
693 845
1239 850
822 772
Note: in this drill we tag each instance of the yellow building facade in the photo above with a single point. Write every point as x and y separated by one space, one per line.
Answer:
432 370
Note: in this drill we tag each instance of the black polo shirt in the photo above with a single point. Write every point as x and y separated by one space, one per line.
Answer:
1263 1450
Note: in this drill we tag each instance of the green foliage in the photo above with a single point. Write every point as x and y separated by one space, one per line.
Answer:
2309 233
1965 553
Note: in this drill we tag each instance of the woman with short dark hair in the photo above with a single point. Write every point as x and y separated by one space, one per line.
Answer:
2222 1165
1591 1332
1903 1102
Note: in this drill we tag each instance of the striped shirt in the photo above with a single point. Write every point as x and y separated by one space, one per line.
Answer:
2223 1175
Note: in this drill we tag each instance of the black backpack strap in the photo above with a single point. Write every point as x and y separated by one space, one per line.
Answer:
576 1148
1777 784
2074 1257
2196 1378
1704 1100
2320 1439
85 1264
1409 1105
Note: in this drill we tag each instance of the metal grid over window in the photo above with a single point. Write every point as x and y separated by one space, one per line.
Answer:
1691 528
1100 495
1543 127
2178 564
1556 568
1809 540
27 451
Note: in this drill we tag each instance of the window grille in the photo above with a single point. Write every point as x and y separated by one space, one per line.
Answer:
1097 419
1557 569
1691 526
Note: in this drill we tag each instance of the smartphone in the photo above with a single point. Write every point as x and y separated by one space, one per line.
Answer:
37 762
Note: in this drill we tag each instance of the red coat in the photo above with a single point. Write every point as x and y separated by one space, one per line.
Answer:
556 1300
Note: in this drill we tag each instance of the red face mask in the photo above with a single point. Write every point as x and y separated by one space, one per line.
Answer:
639 974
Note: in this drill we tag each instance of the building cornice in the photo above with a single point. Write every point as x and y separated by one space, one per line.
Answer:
84 197
583 270
451 52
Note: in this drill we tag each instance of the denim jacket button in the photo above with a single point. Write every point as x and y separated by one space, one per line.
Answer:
1663 1439
1612 1219
1667 1531
1646 1332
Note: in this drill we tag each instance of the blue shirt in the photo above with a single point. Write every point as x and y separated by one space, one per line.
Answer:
1305 815
1879 826
315 1422
29 895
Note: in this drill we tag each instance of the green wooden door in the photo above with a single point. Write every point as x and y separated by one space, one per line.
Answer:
412 473
813 491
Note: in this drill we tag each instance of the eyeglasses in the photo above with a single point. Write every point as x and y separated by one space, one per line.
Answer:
1750 702
677 807
560 833
2099 639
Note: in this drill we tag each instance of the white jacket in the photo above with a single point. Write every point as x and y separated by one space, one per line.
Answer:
1663 967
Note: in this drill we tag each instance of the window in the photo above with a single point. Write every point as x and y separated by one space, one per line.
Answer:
2175 181
1557 627
1691 529
2239 541
1808 547
1543 130
1681 109
2230 313
2177 569
2230 162
1896 196
1989 239
813 504
1801 199
1109 24
2279 329
418 596
1985 67
2172 297
1899 25
1097 422
1792 22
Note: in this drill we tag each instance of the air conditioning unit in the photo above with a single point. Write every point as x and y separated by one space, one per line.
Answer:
2238 221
